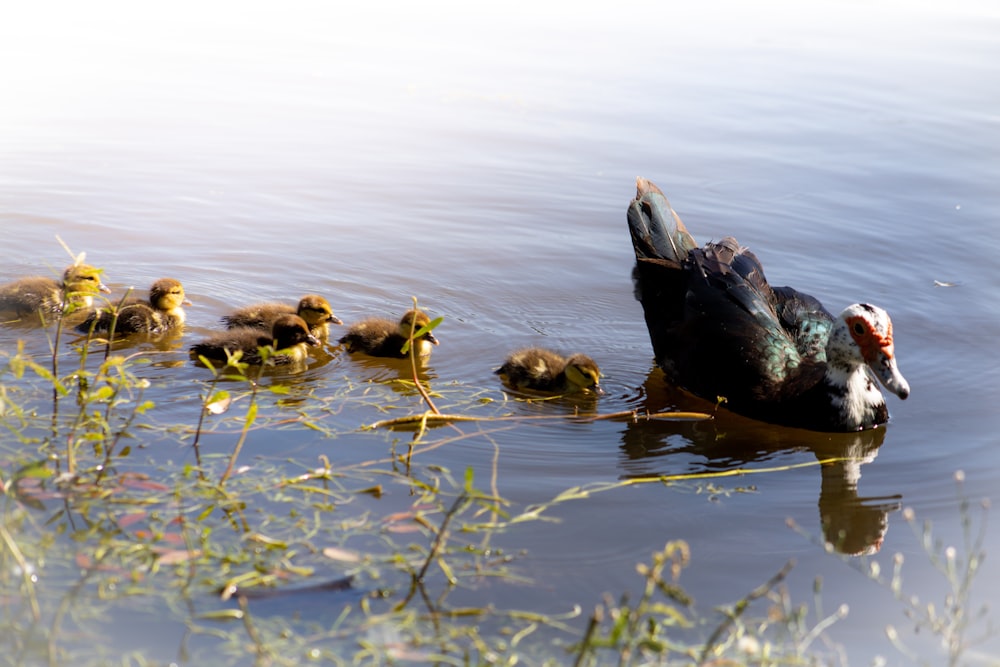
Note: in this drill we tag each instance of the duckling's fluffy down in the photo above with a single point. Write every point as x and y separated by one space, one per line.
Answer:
289 335
39 294
380 337
161 313
312 308
543 370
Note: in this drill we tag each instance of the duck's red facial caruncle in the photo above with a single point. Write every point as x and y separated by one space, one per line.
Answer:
871 341
871 330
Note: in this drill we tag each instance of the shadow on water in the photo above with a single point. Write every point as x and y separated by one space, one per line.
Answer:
853 523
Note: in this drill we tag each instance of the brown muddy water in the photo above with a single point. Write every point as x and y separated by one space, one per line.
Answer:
481 159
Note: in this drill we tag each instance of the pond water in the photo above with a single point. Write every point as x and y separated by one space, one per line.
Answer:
482 159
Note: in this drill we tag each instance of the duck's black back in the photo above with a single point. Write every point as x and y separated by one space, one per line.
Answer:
717 327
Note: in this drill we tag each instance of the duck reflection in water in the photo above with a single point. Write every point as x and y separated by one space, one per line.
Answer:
853 524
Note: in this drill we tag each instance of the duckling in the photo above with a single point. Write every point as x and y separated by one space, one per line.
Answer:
539 369
312 308
381 337
289 338
161 313
45 296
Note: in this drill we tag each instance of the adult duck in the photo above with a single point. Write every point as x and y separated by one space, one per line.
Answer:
719 329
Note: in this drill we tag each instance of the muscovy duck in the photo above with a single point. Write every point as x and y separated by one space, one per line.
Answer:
380 337
543 370
312 308
161 313
719 329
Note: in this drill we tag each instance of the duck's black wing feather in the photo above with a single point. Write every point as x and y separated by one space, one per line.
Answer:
657 230
801 317
716 325
806 321
737 346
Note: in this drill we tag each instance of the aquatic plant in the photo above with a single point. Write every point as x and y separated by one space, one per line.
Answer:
385 553
956 617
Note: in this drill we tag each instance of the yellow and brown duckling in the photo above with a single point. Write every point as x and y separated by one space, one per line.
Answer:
312 308
380 337
289 338
160 314
538 369
45 296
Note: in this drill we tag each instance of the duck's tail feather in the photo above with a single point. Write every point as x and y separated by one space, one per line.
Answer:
657 230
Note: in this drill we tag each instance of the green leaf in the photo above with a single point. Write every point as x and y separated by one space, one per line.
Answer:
421 331
34 470
447 571
220 403
251 414
102 394
222 615
428 327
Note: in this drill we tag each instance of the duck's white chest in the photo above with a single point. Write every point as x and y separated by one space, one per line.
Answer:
860 397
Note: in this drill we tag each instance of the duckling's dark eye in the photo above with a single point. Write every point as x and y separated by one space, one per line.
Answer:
859 328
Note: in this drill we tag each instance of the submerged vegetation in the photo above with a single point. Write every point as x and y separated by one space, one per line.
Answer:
198 554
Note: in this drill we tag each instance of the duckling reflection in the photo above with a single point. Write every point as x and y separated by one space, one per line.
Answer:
162 313
312 308
853 524
289 339
541 370
44 297
380 337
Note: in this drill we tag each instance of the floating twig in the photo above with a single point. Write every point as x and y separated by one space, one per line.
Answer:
625 415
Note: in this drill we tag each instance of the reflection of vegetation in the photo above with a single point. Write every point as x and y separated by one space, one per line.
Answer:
282 563
646 632
952 621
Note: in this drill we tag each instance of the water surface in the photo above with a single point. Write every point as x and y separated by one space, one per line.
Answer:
482 159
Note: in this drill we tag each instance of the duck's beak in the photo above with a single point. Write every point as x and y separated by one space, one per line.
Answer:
883 365
430 336
103 288
334 319
187 302
312 340
597 389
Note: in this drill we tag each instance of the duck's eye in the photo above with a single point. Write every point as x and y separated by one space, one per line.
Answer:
859 328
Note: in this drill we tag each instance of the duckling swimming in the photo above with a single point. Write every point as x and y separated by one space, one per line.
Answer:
289 337
45 296
161 313
381 337
539 369
312 308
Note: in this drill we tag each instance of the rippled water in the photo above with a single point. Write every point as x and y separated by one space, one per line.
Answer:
482 160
